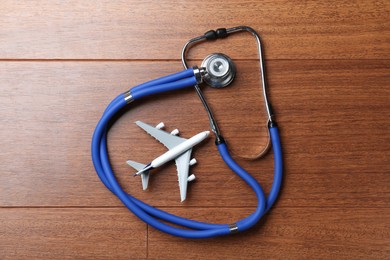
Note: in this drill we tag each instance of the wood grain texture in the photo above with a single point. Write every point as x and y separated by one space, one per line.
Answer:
47 142
327 233
76 233
157 30
328 65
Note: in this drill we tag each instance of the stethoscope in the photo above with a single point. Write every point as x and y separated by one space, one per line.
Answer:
218 71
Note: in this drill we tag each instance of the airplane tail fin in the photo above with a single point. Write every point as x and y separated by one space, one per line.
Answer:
144 176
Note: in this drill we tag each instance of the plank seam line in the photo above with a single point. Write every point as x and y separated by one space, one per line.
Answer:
189 207
173 60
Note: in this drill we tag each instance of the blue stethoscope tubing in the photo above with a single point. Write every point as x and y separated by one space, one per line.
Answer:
154 216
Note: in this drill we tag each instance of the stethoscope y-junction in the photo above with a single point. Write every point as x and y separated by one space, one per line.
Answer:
217 70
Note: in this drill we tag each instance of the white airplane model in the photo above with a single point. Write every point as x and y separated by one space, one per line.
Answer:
178 149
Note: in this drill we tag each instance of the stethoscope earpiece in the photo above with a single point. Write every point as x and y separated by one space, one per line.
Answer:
219 70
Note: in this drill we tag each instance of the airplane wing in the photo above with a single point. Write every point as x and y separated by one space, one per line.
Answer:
182 166
168 140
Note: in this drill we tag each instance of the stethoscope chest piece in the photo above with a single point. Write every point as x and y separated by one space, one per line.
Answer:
220 70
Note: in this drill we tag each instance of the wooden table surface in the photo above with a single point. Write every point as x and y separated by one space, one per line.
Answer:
327 62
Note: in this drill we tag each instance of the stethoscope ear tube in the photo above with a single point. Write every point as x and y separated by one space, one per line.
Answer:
222 33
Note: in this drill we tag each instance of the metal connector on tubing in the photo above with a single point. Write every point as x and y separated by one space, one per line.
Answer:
128 97
199 73
233 228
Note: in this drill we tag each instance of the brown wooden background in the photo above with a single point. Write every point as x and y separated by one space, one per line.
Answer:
328 71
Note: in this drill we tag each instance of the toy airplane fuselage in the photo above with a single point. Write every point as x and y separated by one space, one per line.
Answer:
178 148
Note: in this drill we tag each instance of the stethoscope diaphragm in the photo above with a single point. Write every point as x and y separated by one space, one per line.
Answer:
220 70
